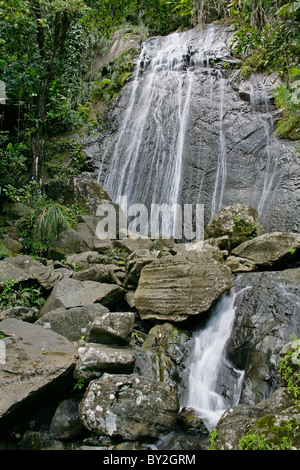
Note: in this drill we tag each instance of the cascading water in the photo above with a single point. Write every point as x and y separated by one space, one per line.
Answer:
151 143
207 364
260 104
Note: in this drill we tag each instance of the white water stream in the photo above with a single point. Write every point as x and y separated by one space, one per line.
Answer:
205 365
260 104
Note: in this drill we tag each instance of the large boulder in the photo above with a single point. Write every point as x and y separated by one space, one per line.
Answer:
162 355
95 359
23 268
240 222
112 328
175 287
73 323
276 249
87 193
65 424
267 314
272 424
38 367
72 293
129 406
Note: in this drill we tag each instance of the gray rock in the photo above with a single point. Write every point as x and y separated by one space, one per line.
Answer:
8 270
37 440
175 287
73 323
240 222
267 314
78 191
38 366
112 328
28 314
266 419
163 353
100 358
130 406
65 424
44 275
135 263
277 249
72 293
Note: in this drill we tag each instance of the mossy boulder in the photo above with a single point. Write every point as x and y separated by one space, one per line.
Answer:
240 222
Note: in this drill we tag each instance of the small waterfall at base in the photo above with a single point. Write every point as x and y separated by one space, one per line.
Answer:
206 366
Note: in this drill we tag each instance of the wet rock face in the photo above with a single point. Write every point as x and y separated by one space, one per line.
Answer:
202 122
123 405
267 314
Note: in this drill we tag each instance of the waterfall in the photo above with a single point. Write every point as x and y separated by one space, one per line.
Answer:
221 169
151 141
207 364
260 103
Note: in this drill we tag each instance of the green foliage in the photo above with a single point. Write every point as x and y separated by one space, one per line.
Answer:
253 441
269 434
43 219
271 33
3 250
13 164
13 295
289 368
212 439
287 99
113 76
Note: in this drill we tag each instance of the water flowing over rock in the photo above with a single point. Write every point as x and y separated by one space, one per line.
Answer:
267 315
185 131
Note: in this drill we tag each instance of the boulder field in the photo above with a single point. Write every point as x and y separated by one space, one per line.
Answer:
109 343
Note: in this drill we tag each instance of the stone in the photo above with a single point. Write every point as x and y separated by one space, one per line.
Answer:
79 239
175 287
112 328
73 323
12 245
23 268
28 314
65 424
39 440
162 354
82 260
135 263
38 367
267 314
240 222
99 273
72 293
85 192
8 270
191 423
130 406
239 265
276 249
266 420
97 358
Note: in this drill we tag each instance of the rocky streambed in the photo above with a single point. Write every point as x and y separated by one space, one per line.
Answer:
103 364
